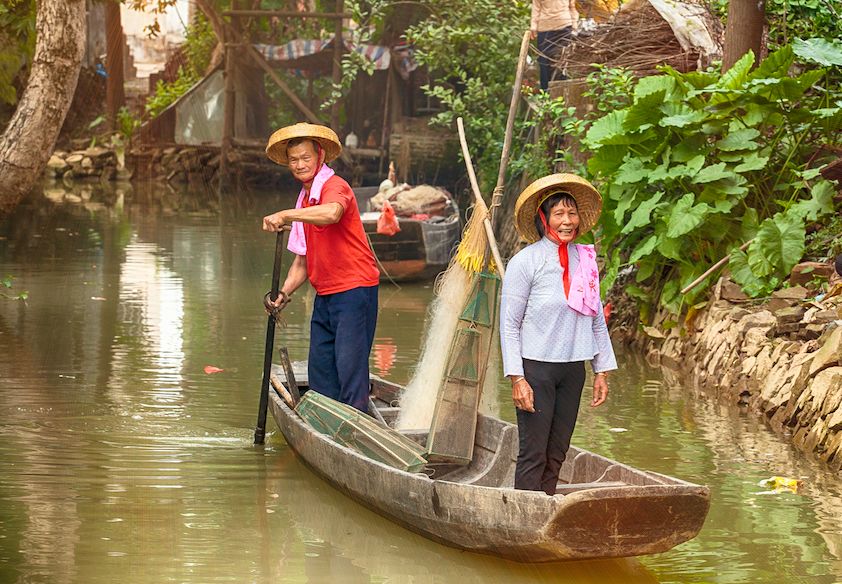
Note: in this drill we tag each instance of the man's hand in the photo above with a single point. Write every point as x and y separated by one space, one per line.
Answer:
522 395
600 390
276 222
274 308
533 34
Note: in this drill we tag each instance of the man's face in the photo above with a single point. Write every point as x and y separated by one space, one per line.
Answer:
303 160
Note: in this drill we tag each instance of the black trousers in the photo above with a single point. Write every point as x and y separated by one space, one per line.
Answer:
544 435
549 44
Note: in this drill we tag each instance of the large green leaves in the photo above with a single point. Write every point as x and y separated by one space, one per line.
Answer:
820 202
608 130
640 216
686 216
778 245
825 52
697 164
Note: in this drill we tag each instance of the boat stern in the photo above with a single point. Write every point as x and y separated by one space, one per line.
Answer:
627 521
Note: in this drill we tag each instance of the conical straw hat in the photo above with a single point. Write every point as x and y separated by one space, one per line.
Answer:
276 149
588 201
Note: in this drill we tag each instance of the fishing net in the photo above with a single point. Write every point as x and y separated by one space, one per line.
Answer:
357 431
454 422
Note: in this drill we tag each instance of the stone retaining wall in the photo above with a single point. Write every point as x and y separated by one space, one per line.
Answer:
782 359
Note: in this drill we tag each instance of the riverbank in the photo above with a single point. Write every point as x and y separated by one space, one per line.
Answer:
780 358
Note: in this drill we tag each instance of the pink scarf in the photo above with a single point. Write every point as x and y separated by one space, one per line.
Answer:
297 243
584 287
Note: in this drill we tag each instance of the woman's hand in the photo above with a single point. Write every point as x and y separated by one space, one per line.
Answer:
600 389
522 394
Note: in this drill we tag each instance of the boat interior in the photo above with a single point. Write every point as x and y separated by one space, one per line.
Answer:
495 451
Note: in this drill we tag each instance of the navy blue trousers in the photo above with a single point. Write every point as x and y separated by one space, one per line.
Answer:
544 435
341 334
550 42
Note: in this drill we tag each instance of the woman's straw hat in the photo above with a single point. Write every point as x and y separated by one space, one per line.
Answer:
587 198
276 149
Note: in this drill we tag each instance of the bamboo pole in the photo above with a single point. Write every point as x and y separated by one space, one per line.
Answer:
338 46
227 120
712 269
384 129
489 232
497 196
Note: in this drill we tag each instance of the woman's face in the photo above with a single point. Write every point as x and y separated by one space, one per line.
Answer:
564 220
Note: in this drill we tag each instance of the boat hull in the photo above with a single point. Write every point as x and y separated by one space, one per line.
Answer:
518 525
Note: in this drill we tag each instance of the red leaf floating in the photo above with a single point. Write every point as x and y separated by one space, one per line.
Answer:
211 369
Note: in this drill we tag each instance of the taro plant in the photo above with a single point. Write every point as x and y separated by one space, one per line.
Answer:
699 164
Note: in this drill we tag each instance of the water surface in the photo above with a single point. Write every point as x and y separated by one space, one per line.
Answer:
120 458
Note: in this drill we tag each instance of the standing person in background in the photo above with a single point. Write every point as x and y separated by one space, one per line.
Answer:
332 252
553 23
551 322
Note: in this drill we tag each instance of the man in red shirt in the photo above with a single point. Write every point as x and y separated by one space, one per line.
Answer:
333 253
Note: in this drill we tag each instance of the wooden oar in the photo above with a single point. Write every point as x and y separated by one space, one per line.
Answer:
260 430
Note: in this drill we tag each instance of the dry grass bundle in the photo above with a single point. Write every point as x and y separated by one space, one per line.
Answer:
473 247
638 39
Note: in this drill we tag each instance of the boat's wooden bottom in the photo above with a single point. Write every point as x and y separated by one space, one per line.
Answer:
603 508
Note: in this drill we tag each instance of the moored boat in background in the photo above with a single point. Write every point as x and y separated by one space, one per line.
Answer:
423 246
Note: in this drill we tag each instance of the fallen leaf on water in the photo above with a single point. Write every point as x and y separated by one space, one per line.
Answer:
211 369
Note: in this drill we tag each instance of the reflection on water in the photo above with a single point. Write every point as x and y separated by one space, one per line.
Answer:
119 455
152 308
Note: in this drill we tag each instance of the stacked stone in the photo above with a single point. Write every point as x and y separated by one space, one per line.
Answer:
185 165
90 163
782 358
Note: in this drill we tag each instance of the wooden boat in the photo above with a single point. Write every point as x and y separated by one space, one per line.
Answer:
602 509
420 250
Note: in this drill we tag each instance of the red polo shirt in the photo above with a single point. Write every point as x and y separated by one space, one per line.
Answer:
338 255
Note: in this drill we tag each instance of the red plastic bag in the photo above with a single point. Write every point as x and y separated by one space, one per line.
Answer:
387 223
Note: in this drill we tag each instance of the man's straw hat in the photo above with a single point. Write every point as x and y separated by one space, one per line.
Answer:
276 149
587 198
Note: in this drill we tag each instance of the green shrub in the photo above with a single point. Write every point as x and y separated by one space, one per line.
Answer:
699 163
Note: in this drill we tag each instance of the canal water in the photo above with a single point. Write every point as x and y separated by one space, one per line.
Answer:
121 459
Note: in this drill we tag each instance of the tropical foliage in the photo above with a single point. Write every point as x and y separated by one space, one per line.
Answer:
17 43
698 164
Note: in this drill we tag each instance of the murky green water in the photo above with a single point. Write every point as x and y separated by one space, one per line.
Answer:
121 460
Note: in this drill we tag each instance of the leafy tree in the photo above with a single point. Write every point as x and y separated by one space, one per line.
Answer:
470 49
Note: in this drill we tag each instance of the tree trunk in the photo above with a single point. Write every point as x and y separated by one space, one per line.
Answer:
30 137
115 95
744 31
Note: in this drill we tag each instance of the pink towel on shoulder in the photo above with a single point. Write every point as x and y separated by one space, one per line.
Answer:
584 287
297 243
